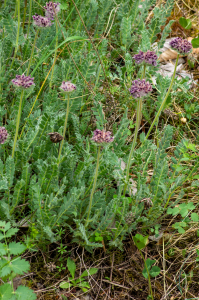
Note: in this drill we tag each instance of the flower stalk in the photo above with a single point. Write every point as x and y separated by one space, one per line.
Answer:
18 30
137 126
139 89
30 13
18 122
55 55
164 101
65 125
32 51
94 186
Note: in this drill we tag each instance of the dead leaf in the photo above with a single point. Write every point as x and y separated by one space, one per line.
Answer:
168 54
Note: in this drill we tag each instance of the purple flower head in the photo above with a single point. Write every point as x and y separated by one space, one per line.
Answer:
67 86
148 57
3 135
139 58
102 137
181 46
140 88
151 58
52 8
23 81
40 21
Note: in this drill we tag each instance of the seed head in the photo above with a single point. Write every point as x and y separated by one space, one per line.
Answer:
40 21
55 137
101 137
140 88
181 46
23 81
148 57
3 135
67 86
52 8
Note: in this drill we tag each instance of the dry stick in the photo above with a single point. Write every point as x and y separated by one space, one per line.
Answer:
164 269
111 275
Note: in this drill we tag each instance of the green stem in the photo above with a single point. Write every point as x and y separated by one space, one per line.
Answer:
18 121
18 30
32 52
150 288
138 120
163 102
56 44
65 125
24 15
94 185
30 12
144 72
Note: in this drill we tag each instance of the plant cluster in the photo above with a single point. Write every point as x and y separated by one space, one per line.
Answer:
61 159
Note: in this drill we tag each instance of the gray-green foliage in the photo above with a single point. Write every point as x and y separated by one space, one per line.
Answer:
35 184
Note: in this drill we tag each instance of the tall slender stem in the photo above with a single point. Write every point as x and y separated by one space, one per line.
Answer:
30 13
18 121
18 30
137 127
24 15
56 44
163 102
138 120
65 125
94 185
32 51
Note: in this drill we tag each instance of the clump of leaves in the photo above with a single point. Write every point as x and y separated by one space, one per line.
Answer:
11 265
79 282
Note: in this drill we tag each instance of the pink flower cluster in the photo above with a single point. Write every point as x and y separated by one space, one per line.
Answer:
181 46
148 57
51 9
40 21
67 86
140 88
101 136
3 135
23 81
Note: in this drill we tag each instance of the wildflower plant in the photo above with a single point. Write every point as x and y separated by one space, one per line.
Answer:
100 138
139 89
23 82
96 183
66 87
